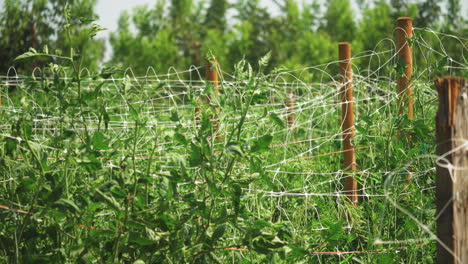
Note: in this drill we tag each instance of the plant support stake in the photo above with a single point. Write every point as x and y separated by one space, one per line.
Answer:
404 31
212 77
452 170
347 119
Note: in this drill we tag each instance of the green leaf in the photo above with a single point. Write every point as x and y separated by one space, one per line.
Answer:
205 123
275 118
105 116
117 191
234 148
295 253
135 225
55 194
103 233
180 138
209 88
246 179
218 232
255 165
360 129
99 141
27 55
334 232
67 11
175 116
178 161
400 68
107 72
86 20
265 113
262 143
141 241
10 145
385 259
109 200
95 29
32 53
97 89
265 244
134 113
28 184
442 63
265 59
346 260
259 224
196 157
69 203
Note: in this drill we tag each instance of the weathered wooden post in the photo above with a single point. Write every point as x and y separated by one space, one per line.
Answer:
347 117
452 170
403 31
212 76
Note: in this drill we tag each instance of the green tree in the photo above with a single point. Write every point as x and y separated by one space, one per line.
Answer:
213 34
403 8
454 17
216 15
295 40
339 20
253 32
152 45
35 24
375 26
160 42
428 13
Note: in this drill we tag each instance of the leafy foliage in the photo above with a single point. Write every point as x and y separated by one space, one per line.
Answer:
89 193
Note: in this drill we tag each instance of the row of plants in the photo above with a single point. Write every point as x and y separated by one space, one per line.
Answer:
104 167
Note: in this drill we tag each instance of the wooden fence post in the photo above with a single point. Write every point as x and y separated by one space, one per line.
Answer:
403 31
452 170
212 76
347 114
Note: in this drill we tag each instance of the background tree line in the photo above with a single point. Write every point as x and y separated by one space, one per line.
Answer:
180 33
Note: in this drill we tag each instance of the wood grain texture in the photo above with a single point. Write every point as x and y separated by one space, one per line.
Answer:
404 30
460 174
452 170
347 118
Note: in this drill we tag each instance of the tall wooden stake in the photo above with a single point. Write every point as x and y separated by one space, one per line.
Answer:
347 114
452 170
403 31
212 76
